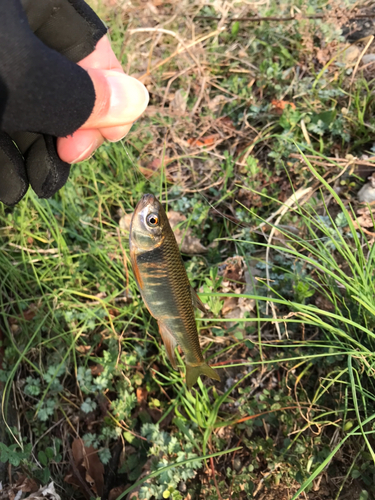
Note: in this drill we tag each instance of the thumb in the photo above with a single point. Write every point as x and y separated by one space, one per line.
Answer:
119 99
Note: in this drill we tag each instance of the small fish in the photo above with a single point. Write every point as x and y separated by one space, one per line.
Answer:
164 285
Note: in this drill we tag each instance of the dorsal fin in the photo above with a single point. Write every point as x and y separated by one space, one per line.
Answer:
169 342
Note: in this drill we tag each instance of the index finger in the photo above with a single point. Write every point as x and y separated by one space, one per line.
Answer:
102 57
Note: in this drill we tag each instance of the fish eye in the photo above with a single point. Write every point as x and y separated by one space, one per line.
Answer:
152 220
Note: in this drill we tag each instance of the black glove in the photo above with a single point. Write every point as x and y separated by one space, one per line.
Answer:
43 93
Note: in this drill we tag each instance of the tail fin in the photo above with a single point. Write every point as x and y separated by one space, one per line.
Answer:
193 372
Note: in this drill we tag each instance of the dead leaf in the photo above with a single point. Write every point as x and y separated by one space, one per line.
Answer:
279 106
134 495
96 369
365 220
125 221
83 349
114 313
116 492
151 168
88 467
142 395
47 492
226 433
216 104
235 308
324 54
190 244
230 303
179 102
249 199
350 55
364 210
364 217
226 122
206 141
26 484
152 8
233 269
237 279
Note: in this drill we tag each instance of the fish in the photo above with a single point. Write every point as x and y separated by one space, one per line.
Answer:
164 286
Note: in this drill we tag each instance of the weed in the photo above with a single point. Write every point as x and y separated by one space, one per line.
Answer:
271 106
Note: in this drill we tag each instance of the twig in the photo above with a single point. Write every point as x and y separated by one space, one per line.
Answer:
47 432
214 478
168 32
97 302
292 200
171 80
365 66
25 249
251 417
125 261
255 19
200 97
227 91
305 132
318 160
78 474
371 38
285 206
261 482
204 188
179 51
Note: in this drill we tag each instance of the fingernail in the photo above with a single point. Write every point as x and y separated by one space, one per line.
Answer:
114 134
129 97
88 152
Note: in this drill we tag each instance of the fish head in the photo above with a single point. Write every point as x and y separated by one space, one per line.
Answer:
148 221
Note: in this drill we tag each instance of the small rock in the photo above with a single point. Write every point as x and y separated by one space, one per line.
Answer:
237 464
182 486
350 55
368 58
367 192
229 383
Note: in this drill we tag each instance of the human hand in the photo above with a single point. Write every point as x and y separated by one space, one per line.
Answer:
120 100
62 93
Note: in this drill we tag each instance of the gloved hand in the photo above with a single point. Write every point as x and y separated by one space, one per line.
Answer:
45 95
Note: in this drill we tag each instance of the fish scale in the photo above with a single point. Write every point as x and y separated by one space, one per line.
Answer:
164 285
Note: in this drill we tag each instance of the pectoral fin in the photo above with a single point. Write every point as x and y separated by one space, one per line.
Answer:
197 301
169 342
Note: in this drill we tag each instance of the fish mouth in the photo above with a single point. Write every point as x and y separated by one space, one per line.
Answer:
147 200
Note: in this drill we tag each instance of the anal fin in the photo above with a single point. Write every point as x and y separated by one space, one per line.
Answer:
197 301
169 342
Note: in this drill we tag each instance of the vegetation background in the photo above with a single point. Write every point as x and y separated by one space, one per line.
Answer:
258 137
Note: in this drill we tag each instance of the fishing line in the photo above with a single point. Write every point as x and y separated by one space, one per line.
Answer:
164 192
138 175
136 170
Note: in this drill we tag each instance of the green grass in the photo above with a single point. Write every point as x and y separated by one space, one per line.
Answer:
81 356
